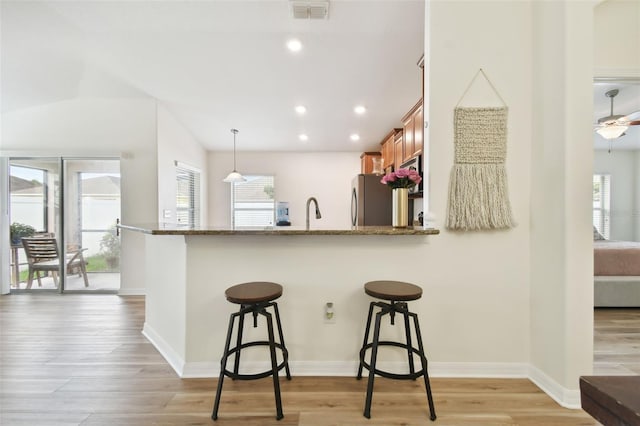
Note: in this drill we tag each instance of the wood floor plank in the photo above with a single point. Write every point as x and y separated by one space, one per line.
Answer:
82 360
43 419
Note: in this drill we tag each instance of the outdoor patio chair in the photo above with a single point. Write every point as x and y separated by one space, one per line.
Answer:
43 256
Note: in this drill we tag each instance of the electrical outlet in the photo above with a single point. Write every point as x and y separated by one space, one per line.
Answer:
329 313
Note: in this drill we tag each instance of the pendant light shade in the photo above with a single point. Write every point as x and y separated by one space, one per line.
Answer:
234 176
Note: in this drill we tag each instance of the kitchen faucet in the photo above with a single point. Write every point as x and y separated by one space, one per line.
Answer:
318 215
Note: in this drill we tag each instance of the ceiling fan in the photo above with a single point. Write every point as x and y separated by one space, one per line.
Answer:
614 126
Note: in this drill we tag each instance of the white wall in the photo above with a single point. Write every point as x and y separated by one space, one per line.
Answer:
480 280
561 293
176 143
531 267
636 208
617 41
298 176
625 190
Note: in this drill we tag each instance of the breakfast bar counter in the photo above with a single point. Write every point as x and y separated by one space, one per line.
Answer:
170 229
186 272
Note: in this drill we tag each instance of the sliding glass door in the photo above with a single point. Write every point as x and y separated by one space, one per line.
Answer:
34 211
67 209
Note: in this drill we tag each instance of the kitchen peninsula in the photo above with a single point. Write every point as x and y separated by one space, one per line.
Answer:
187 271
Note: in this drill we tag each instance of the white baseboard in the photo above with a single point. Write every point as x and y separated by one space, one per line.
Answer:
568 398
132 292
175 361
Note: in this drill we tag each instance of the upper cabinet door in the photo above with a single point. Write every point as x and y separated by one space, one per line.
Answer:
413 133
398 150
407 136
418 126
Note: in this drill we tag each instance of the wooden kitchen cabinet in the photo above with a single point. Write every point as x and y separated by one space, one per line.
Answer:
388 149
367 160
413 133
418 130
407 137
398 149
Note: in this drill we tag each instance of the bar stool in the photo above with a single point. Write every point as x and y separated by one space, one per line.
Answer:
254 298
398 293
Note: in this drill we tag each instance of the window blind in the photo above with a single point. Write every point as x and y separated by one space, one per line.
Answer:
253 201
187 195
602 203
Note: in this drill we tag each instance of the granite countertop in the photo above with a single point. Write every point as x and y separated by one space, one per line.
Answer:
173 229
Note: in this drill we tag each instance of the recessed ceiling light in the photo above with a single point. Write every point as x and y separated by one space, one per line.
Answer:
301 109
303 137
294 45
359 109
354 137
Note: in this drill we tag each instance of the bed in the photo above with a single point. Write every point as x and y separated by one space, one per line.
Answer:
616 270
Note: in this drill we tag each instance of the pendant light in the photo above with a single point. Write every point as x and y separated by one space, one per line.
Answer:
234 176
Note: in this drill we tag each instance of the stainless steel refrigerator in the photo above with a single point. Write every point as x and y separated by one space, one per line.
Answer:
370 201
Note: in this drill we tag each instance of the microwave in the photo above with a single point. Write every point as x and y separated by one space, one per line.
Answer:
416 164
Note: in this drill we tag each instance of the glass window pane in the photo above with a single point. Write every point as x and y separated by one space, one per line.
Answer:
28 196
187 195
253 201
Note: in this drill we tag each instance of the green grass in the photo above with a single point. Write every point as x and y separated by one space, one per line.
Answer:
96 263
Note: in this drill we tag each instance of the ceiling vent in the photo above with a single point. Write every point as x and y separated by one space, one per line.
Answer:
309 9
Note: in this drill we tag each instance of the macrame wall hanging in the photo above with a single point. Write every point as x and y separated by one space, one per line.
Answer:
478 194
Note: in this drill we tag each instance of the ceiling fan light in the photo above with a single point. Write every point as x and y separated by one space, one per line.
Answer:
611 132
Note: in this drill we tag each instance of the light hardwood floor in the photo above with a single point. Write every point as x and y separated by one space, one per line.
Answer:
616 343
81 359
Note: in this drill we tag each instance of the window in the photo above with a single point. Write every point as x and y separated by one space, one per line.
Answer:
99 207
28 188
601 203
187 195
253 201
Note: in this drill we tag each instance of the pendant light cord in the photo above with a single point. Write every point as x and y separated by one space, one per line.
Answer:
235 132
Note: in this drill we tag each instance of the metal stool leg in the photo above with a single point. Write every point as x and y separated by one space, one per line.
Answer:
407 330
279 325
223 367
366 337
372 365
274 365
236 362
423 359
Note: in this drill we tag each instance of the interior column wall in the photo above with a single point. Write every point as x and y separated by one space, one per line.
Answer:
636 209
561 254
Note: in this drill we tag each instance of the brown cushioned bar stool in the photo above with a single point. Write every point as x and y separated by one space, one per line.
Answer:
254 298
398 293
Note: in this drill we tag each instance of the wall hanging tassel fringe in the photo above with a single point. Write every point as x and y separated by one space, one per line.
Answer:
478 192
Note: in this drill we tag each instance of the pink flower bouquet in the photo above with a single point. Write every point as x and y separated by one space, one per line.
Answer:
402 178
